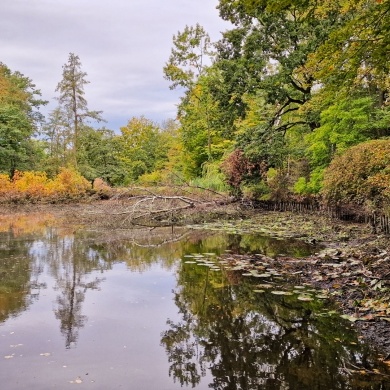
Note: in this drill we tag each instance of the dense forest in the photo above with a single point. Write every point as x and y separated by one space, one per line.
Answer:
291 103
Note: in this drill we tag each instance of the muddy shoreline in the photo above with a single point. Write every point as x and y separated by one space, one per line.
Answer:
353 266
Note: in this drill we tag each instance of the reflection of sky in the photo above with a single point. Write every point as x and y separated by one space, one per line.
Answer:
126 307
119 343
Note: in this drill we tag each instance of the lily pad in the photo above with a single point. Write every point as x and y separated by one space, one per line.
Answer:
349 318
304 298
281 292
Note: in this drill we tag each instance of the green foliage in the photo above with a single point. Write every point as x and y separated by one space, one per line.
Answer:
212 178
258 191
313 185
19 120
360 176
142 148
191 49
98 156
345 123
67 120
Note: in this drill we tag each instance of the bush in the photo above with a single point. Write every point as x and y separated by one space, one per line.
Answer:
258 191
35 186
68 184
360 176
212 178
30 185
5 185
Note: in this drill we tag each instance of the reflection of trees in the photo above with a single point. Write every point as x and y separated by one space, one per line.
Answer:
250 341
269 246
72 260
17 278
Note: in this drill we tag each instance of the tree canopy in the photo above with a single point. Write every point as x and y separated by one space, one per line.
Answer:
285 91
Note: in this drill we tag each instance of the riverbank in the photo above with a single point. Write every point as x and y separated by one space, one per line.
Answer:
353 264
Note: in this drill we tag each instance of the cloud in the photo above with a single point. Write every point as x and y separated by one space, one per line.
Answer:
122 44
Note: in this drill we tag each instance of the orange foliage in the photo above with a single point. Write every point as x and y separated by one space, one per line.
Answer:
30 184
360 176
5 185
36 186
68 184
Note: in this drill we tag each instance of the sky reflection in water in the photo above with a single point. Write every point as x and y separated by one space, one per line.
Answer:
76 308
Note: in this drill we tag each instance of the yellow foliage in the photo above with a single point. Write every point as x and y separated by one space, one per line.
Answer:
5 184
31 184
68 183
36 186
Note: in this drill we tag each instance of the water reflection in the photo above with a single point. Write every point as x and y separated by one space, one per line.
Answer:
70 271
19 284
221 335
252 341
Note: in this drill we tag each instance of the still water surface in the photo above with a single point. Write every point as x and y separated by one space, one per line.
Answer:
88 309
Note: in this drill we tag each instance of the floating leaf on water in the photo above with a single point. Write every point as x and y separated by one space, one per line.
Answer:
304 298
209 254
259 291
264 285
265 275
300 287
190 262
78 380
247 274
281 292
349 318
188 256
321 296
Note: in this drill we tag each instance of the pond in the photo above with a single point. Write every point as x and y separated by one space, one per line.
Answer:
160 310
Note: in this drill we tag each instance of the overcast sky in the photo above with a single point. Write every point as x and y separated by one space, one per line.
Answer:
122 44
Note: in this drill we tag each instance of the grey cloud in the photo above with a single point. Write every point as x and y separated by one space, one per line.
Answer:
122 44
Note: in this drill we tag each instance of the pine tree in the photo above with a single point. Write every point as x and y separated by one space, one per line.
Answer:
73 102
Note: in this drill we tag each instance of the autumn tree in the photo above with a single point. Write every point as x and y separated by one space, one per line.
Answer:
360 176
141 147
